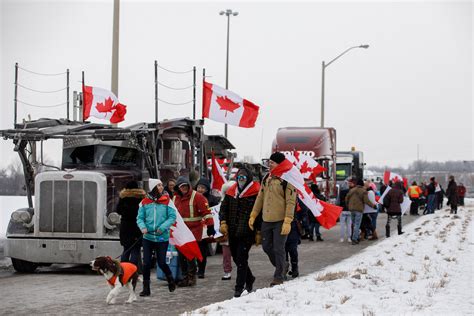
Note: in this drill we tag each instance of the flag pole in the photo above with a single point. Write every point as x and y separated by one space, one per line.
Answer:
81 102
156 94
203 81
194 92
67 95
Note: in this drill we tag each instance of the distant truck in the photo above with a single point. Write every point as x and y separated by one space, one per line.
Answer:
349 164
318 143
73 219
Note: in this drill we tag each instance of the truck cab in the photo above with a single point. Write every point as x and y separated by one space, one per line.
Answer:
318 143
349 164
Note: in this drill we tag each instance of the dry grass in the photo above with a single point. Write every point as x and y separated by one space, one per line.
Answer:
327 306
387 252
331 276
345 298
356 276
413 276
361 271
409 253
426 257
391 259
379 263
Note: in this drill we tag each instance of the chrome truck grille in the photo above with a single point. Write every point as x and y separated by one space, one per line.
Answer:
68 206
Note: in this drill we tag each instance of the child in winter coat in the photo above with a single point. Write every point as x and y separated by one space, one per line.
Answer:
154 219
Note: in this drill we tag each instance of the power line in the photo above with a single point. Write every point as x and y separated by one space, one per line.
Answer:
175 72
173 88
41 106
40 91
42 74
175 103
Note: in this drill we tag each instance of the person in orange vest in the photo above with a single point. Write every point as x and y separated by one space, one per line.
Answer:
414 192
194 209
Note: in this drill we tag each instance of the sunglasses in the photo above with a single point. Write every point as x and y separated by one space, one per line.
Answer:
241 177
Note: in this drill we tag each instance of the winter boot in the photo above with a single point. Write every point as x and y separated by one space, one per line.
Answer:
238 292
171 283
249 284
146 288
192 279
294 270
399 229
318 238
374 236
387 231
184 282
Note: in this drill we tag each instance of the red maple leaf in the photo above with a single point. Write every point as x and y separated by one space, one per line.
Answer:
305 168
107 107
227 104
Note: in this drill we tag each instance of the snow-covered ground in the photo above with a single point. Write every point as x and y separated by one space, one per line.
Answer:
427 270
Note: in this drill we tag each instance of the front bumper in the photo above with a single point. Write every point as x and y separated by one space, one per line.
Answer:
60 250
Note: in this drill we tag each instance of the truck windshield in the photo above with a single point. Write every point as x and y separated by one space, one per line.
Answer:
343 171
99 156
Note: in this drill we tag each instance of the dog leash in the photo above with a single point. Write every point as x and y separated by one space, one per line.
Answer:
130 248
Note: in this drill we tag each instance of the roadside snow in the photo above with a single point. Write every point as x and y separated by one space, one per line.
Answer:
427 270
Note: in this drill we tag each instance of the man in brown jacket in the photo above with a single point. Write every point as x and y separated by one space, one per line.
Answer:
276 201
355 201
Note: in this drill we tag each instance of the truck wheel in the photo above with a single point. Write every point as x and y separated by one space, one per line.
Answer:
23 266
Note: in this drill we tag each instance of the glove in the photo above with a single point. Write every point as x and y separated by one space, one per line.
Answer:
224 229
252 220
258 238
211 231
286 227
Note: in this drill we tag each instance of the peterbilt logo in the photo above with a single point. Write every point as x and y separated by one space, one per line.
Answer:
68 176
307 153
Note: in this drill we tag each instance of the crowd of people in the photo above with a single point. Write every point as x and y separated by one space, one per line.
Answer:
267 212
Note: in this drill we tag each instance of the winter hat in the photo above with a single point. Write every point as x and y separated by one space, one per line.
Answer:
152 183
277 157
131 185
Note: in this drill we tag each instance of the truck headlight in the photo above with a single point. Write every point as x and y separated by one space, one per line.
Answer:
113 218
21 217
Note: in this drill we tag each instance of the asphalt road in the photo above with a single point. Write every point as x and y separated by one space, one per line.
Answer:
62 289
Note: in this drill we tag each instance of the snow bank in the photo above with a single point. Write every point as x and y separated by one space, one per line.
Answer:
427 270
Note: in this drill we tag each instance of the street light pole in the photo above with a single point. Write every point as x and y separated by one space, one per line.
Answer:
228 13
323 73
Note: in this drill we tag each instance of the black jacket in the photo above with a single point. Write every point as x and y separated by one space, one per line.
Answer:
128 208
211 199
452 193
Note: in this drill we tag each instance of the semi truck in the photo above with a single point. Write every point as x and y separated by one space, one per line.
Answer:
318 143
349 164
71 215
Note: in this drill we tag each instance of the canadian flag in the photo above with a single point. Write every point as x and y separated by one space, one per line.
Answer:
225 106
218 178
388 175
182 237
308 167
102 104
326 214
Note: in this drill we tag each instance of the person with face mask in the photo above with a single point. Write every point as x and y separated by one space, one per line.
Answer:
194 209
276 202
154 219
234 215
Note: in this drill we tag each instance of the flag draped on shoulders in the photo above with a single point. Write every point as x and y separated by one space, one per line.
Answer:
225 106
182 237
326 214
102 104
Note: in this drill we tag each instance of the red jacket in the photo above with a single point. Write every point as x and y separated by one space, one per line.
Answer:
198 216
461 191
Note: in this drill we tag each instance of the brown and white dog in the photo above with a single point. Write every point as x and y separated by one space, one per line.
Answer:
118 274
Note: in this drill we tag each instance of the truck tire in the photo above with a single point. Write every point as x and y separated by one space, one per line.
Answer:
23 266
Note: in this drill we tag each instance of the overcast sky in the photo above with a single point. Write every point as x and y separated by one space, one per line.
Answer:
413 86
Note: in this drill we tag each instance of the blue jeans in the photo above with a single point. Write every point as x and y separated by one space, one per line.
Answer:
314 225
373 218
356 218
160 249
345 221
431 203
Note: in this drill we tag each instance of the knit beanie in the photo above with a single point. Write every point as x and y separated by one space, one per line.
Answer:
277 157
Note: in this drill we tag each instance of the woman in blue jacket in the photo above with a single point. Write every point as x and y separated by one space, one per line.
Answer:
154 219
